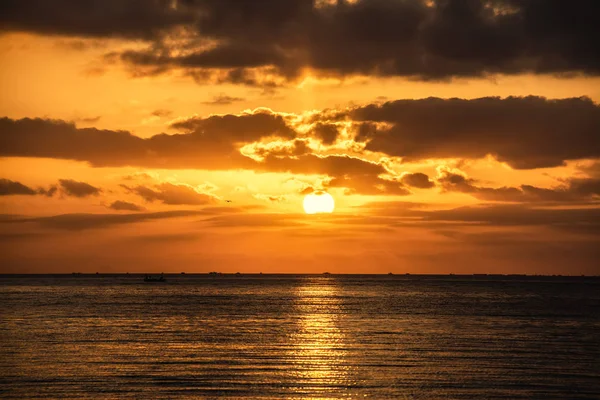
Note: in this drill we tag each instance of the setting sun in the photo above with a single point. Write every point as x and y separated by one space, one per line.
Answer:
320 202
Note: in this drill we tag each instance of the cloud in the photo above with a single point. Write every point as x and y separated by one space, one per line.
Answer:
120 205
207 142
8 187
369 184
172 194
518 215
307 190
254 220
92 221
420 39
417 180
581 220
161 112
270 197
78 189
525 132
131 19
89 120
328 133
143 176
223 99
572 190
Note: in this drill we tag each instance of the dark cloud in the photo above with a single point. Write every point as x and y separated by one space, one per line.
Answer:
525 132
167 238
223 99
572 190
272 198
161 113
120 205
171 194
89 120
283 150
255 220
92 221
59 139
328 133
134 19
48 192
208 142
8 187
369 184
581 220
142 176
417 180
413 38
518 215
78 189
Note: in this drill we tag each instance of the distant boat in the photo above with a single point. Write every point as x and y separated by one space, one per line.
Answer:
326 273
149 278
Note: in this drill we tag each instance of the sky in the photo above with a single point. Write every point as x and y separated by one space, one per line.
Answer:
455 136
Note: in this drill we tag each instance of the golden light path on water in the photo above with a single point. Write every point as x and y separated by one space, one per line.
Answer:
318 345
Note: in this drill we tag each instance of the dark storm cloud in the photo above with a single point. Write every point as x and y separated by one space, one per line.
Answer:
120 205
450 38
78 189
171 194
525 132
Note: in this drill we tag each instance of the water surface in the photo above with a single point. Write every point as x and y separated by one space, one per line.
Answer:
300 336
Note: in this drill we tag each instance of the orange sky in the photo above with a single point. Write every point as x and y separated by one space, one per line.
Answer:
180 144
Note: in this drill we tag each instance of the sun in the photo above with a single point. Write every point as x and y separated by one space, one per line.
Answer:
318 202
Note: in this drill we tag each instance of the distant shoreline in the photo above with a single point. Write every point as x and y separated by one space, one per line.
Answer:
263 274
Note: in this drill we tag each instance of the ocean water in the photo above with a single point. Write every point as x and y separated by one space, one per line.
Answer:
300 336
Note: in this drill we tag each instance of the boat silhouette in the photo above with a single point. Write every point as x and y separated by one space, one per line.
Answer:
149 278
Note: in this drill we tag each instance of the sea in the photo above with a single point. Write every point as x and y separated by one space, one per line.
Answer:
299 337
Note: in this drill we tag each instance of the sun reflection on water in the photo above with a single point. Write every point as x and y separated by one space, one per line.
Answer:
318 345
